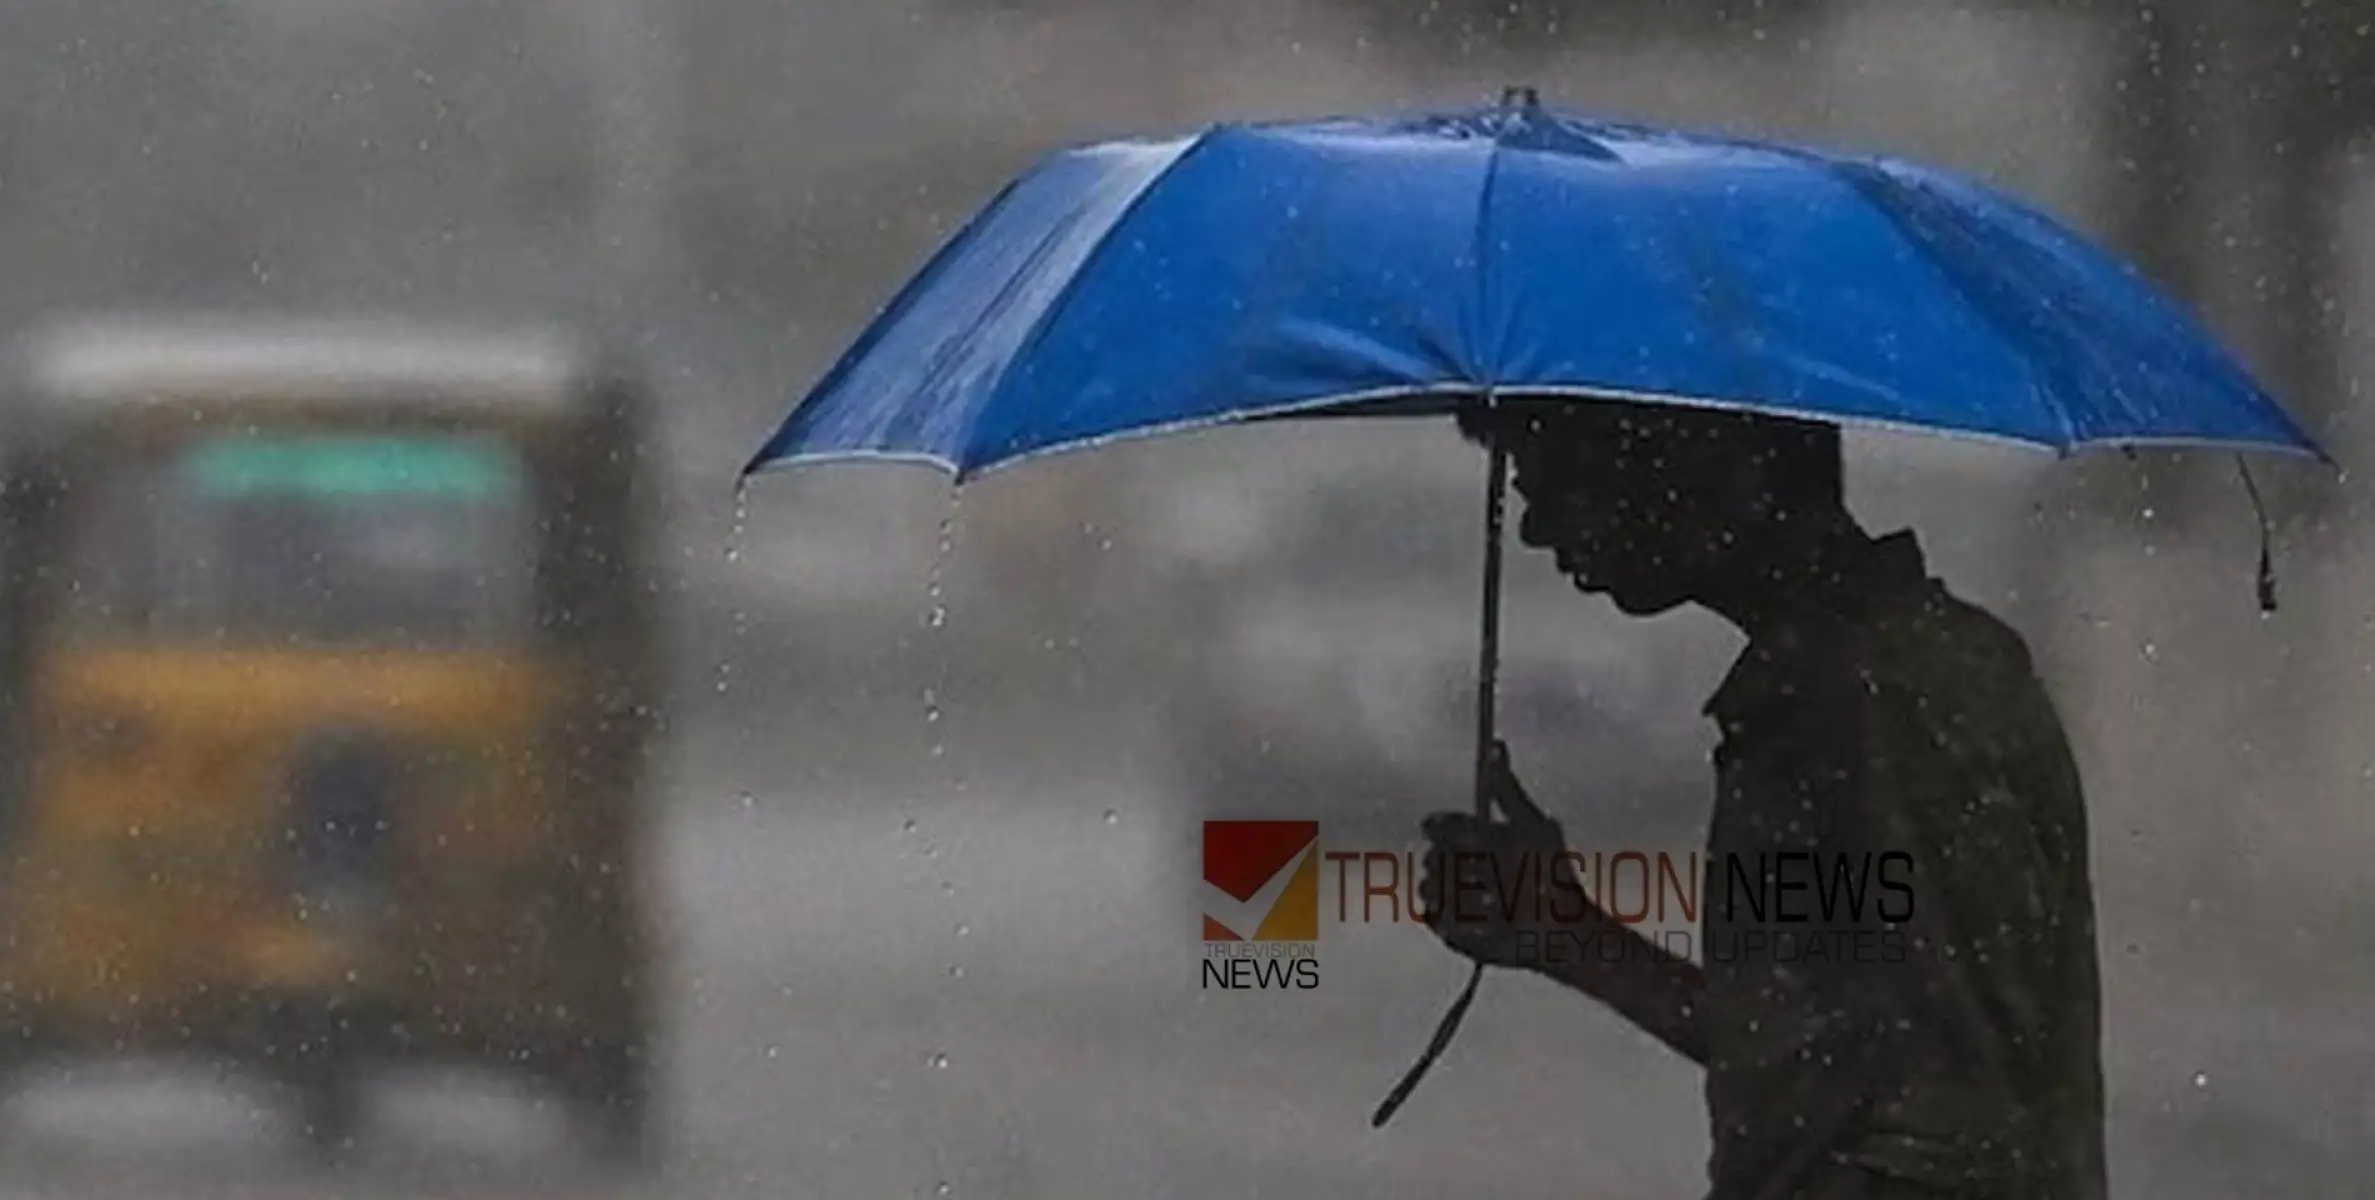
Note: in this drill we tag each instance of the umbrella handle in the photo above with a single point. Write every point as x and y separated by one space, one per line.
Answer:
1449 1025
1488 669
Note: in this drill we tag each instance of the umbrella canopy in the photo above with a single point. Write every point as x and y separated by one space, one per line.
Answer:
1407 264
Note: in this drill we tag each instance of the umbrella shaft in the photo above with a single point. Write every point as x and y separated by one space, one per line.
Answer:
1488 663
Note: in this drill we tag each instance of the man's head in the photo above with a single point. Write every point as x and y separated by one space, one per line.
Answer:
1659 506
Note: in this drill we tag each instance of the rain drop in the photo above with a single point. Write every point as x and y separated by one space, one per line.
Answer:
948 522
774 1051
907 826
749 801
1112 817
955 971
964 930
942 1188
939 1061
2201 1079
741 520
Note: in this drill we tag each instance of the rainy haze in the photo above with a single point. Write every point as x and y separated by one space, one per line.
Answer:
432 768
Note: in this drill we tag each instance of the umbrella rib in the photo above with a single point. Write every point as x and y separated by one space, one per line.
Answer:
1876 189
1490 338
901 301
1070 288
1724 306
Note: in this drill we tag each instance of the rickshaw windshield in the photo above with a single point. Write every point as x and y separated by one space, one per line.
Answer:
339 537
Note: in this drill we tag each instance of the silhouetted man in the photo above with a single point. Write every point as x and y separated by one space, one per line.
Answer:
1873 720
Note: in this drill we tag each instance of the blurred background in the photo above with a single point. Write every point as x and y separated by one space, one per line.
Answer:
903 890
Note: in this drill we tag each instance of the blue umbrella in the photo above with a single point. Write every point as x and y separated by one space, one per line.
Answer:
1410 264
1414 264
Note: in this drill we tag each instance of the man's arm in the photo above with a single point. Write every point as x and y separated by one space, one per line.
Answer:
1659 992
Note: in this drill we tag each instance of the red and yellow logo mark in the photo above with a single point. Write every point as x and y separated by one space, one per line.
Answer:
1261 881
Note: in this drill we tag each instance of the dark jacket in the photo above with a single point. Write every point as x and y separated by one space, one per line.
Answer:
1944 1030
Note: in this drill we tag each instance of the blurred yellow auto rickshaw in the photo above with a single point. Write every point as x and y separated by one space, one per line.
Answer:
326 658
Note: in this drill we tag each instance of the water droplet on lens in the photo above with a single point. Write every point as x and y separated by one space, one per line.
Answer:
1112 817
2201 1079
956 972
749 801
939 1061
963 930
907 826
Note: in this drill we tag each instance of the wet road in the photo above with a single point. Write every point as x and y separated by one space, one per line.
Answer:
1053 959
1006 1000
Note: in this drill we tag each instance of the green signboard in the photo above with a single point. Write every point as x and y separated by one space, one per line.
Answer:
456 466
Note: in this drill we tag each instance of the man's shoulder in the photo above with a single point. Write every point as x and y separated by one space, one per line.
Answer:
1905 642
1927 641
1940 664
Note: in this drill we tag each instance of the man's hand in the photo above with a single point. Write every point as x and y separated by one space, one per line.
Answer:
1657 991
1462 853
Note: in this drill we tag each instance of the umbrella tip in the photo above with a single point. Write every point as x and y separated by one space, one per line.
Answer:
1519 95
